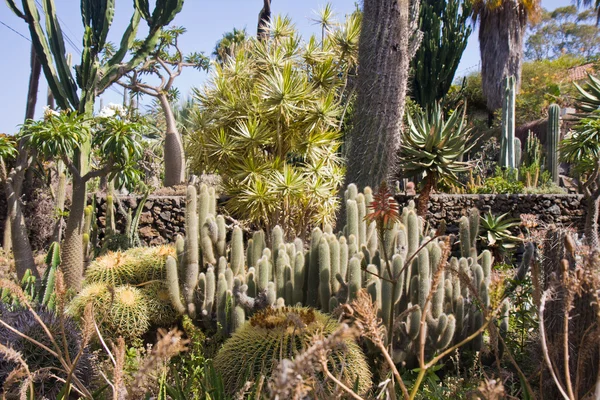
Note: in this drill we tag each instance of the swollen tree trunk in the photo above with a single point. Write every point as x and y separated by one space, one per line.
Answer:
174 155
20 244
388 41
501 33
264 19
16 236
72 246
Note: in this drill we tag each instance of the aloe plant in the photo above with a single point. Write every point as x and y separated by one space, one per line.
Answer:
434 146
497 234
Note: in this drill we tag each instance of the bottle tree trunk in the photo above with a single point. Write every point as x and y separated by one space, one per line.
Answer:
388 40
16 235
20 239
72 246
173 148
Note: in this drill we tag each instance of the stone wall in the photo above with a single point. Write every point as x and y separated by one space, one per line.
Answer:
561 209
163 216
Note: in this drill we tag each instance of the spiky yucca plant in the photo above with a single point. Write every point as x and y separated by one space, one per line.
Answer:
269 124
433 145
275 334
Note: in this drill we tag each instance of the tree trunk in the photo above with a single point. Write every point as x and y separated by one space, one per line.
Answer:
388 40
20 239
501 33
264 19
174 155
72 247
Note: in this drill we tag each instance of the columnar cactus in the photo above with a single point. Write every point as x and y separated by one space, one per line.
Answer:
552 139
507 143
333 270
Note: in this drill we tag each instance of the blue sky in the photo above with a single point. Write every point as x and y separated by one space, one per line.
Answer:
205 21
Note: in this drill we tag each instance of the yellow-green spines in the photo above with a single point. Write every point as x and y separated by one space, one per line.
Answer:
127 314
95 293
113 268
271 335
160 307
134 266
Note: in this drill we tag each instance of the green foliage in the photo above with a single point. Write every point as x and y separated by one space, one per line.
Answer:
8 148
503 181
582 148
227 46
434 146
445 30
589 96
564 30
497 233
268 123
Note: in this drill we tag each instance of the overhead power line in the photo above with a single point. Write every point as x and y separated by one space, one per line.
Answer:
15 31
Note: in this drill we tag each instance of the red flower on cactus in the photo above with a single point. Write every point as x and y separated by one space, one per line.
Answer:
384 207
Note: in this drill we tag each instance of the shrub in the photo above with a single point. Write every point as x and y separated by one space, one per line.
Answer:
269 124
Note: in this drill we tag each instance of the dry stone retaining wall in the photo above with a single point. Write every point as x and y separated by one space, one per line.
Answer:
163 216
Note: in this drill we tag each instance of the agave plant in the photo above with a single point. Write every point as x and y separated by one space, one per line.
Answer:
434 146
497 235
268 122
589 99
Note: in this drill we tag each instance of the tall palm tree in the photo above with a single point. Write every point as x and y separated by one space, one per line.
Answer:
502 26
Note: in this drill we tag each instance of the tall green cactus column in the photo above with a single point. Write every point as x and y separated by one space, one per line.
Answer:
552 139
507 143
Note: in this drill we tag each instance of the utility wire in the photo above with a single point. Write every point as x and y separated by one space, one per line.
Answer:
15 31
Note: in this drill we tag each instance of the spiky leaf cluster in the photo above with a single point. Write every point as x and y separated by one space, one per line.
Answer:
269 123
434 145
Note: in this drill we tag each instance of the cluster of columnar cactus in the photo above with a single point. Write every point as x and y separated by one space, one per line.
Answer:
552 139
212 278
507 142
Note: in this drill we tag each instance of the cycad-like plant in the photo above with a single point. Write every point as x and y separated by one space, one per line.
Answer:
434 146
268 123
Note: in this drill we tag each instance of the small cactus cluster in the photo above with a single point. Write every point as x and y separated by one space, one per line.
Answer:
211 279
128 291
275 334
